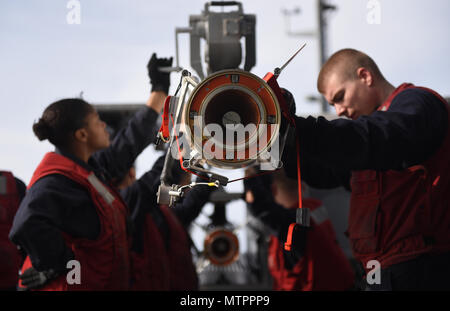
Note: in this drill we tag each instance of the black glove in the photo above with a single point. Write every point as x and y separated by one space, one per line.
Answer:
289 157
192 203
199 194
159 80
290 101
193 200
32 279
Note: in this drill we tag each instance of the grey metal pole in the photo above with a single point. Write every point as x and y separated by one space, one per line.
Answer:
322 33
322 46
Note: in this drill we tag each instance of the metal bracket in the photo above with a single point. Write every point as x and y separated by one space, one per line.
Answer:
303 217
188 164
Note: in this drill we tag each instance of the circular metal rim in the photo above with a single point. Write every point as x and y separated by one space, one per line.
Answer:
233 254
223 163
246 90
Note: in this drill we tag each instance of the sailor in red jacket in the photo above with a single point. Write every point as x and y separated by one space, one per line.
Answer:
12 191
71 213
394 154
161 247
318 263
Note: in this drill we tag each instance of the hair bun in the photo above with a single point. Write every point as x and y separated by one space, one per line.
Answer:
42 130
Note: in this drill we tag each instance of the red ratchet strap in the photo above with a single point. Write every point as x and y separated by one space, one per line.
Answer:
164 132
271 80
288 244
179 151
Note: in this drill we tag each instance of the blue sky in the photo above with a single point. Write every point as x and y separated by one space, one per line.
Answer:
42 58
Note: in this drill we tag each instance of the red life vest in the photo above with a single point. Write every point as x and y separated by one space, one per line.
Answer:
105 261
10 258
397 215
162 268
323 267
150 270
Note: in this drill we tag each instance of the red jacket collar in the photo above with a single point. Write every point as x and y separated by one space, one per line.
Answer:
398 90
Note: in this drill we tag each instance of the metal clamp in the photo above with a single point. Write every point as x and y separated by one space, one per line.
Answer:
303 217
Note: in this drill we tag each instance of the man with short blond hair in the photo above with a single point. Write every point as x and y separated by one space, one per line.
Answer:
394 148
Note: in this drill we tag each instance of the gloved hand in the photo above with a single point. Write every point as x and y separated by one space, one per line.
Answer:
290 101
192 202
200 193
289 157
32 279
159 80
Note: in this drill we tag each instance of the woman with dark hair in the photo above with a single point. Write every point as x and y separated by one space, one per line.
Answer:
72 217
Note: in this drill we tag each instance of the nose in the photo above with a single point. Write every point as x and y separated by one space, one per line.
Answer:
340 111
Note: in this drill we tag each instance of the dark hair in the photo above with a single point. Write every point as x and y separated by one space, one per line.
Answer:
61 119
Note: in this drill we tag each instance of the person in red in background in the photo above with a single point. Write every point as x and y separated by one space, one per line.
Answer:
161 248
12 191
317 262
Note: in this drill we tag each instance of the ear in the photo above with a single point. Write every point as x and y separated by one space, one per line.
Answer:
365 76
81 135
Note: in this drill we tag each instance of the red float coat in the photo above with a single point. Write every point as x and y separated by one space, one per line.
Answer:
104 262
323 266
396 216
10 258
163 266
